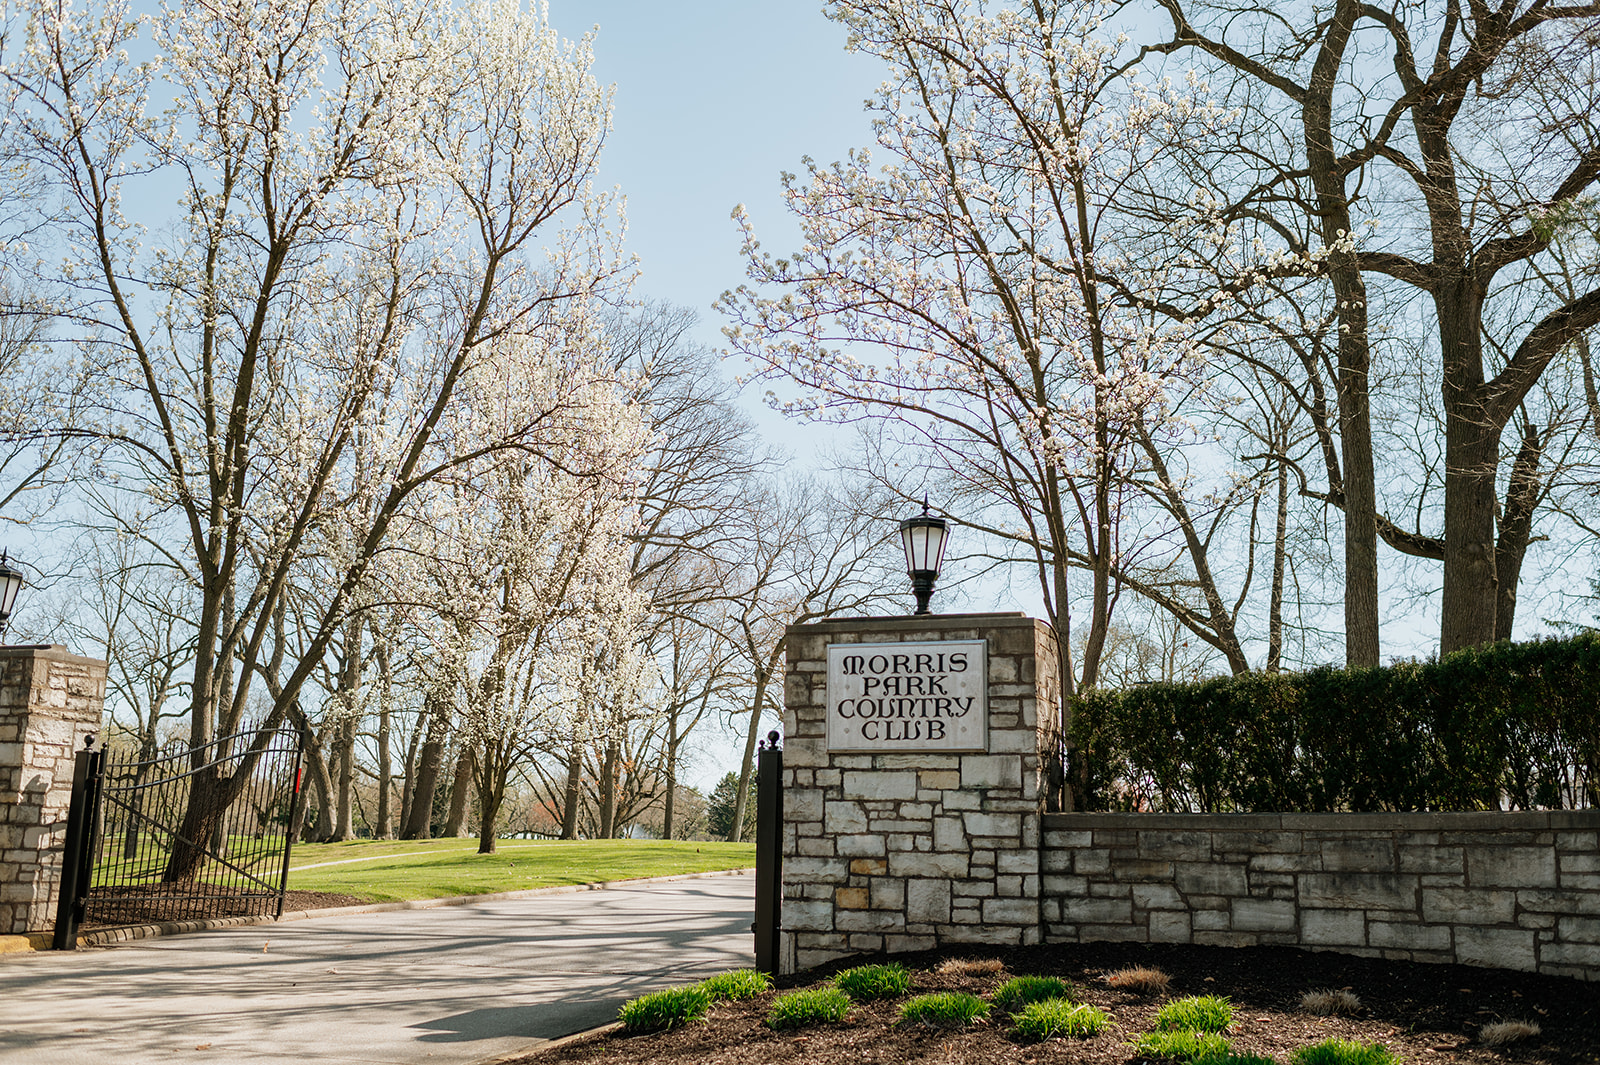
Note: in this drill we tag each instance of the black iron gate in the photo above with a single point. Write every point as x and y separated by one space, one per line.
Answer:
769 852
179 834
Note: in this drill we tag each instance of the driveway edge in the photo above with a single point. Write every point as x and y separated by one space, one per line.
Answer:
101 937
552 1044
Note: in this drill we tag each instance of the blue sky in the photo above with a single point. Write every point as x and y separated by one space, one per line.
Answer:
714 99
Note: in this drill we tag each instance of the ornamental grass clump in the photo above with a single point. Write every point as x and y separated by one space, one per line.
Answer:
1501 1033
867 982
946 1009
1141 980
736 984
970 967
1344 1052
818 1005
1056 1017
1017 992
1207 1013
660 1010
1185 1045
1331 1003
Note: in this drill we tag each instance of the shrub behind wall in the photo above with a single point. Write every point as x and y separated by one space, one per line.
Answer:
1507 726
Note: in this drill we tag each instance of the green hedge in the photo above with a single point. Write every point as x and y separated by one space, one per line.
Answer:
1507 726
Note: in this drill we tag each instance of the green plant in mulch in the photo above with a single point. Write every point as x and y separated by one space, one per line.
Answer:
736 984
867 982
1344 1052
1017 992
1050 1018
1185 1045
661 1010
1238 1059
946 1009
1208 1013
817 1005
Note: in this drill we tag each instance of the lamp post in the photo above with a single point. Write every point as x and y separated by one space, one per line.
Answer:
10 585
924 538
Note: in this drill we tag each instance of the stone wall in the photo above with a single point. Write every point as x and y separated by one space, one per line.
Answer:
908 851
1506 890
49 701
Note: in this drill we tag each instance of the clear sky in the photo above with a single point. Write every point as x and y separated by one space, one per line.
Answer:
714 98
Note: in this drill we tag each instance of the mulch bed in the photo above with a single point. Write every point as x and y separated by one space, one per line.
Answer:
158 903
1427 1014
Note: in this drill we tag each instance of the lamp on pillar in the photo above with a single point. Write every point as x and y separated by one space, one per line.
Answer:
10 585
924 538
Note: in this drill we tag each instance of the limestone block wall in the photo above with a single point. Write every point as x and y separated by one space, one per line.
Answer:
907 851
1506 890
49 701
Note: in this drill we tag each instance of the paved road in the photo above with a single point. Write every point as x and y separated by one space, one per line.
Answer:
439 986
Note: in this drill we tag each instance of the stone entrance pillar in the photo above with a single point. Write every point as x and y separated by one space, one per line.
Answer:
914 762
50 701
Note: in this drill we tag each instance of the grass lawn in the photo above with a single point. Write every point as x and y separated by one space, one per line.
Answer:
391 870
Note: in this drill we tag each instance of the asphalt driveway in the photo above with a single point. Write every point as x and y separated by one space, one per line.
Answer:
443 986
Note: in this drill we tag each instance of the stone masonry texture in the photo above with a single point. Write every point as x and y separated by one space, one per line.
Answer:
1506 890
50 701
908 851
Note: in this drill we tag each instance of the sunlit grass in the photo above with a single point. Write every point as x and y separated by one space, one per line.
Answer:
392 870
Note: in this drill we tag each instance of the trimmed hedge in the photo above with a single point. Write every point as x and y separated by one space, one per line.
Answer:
1506 726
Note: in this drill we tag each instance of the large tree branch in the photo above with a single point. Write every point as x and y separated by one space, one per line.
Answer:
1555 331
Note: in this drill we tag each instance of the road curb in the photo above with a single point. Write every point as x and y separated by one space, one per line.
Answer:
102 937
553 1044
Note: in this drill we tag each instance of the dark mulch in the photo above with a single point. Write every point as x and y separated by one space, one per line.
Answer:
158 903
1428 1014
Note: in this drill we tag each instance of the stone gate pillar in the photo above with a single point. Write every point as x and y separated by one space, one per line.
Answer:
49 701
914 762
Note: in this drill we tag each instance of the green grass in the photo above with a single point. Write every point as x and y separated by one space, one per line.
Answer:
947 1009
1344 1052
1049 1018
1019 991
735 985
660 1010
867 982
817 1005
392 870
1183 1045
1207 1014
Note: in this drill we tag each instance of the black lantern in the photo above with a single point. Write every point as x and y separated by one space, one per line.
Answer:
10 585
924 538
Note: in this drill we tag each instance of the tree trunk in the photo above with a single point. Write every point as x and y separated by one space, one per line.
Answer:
418 824
747 764
1354 356
669 804
608 790
460 789
1516 528
322 785
490 769
345 753
384 829
1280 560
573 794
1472 456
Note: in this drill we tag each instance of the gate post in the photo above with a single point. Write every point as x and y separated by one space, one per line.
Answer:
50 699
769 852
77 859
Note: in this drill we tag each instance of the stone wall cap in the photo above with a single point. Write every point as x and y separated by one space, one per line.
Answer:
53 652
1465 820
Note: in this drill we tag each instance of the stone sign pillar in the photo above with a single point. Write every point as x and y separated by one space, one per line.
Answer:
50 701
914 762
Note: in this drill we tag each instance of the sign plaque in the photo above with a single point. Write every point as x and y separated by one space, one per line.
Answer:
931 696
